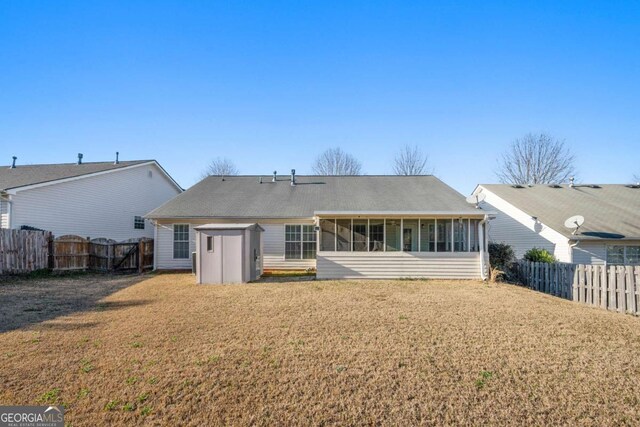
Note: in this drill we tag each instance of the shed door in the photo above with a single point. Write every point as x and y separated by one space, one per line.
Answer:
210 258
232 256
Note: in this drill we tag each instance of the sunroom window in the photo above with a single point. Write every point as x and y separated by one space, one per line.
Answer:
460 234
360 235
444 235
427 235
410 235
327 235
394 235
343 235
376 235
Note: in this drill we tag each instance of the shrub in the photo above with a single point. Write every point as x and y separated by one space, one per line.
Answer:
501 256
539 255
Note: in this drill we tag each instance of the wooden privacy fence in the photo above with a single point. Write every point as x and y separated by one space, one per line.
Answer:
22 251
77 253
613 287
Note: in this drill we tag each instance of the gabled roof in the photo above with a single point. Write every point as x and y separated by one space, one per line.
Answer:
25 175
611 211
245 197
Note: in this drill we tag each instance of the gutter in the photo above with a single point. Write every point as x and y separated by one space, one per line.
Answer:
483 234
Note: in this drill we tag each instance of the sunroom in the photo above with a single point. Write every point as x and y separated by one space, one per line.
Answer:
385 246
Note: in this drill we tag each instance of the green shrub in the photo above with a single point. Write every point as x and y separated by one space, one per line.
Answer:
539 255
501 256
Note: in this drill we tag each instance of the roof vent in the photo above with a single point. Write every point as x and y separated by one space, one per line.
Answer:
571 180
555 186
260 180
117 158
293 177
79 158
517 186
13 164
275 176
636 185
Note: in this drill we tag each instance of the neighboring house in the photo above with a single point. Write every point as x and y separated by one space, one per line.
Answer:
345 226
104 199
534 216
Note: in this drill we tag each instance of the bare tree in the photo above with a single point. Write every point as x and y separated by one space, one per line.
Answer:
410 160
636 178
220 166
334 161
536 159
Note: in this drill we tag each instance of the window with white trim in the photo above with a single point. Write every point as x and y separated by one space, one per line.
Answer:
299 241
180 241
623 255
138 223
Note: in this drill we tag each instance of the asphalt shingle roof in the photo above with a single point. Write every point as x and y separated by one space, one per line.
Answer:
611 211
245 197
24 175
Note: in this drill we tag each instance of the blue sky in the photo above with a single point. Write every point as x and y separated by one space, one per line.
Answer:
272 84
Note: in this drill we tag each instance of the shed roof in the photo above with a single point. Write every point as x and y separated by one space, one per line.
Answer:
611 211
23 175
246 197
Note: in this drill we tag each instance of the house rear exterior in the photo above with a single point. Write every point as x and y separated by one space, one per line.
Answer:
530 216
343 226
99 199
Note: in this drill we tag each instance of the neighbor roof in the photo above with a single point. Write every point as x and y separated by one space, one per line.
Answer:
23 175
245 197
611 211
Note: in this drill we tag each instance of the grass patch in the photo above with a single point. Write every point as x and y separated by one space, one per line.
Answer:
372 352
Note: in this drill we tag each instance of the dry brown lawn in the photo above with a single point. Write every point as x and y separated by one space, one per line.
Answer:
166 351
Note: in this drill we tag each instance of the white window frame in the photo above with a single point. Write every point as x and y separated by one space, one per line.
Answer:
138 220
301 241
188 240
624 253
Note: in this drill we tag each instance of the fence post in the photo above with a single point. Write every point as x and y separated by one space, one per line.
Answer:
631 291
574 286
140 256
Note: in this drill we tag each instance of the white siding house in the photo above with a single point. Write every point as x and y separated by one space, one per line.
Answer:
533 216
90 199
344 227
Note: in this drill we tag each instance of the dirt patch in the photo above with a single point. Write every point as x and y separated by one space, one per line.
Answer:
327 352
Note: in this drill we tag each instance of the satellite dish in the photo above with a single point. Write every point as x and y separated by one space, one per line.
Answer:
574 222
476 199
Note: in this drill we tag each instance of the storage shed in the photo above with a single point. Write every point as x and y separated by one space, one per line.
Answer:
228 253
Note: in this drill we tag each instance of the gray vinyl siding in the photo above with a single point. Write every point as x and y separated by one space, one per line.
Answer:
387 265
590 253
273 238
95 206
521 231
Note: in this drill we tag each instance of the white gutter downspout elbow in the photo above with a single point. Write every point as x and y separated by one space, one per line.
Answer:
482 238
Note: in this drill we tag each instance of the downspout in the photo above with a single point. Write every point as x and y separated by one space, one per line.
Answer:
483 239
571 246
155 244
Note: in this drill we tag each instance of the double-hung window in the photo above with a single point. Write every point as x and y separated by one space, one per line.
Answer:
620 255
180 241
299 241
